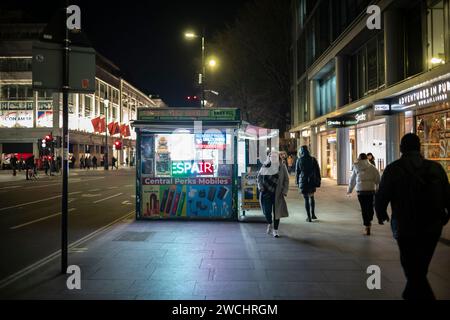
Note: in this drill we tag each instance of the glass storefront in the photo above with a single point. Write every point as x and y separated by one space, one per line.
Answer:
372 139
434 132
328 154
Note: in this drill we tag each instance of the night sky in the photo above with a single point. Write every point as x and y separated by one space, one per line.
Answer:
145 38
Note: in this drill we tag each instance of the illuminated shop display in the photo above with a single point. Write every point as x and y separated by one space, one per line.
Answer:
186 175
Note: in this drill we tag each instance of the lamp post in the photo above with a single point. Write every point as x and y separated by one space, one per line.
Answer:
201 80
106 155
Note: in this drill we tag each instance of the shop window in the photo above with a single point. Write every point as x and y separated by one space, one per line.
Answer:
414 40
326 96
87 106
436 42
434 132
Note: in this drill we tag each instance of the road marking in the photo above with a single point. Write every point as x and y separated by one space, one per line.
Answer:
129 186
126 202
38 201
11 187
38 220
88 195
94 190
116 195
112 188
22 273
78 250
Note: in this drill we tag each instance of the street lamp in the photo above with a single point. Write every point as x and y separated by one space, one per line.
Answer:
192 35
106 155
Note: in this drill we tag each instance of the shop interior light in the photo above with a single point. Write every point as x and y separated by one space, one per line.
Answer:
435 60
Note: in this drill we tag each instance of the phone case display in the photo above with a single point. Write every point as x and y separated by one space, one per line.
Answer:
162 157
147 151
164 201
209 201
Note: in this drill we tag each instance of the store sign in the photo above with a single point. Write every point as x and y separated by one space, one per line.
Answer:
16 119
192 168
210 141
438 92
185 114
350 119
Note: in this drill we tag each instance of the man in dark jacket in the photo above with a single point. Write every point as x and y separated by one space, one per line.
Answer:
419 193
14 164
308 180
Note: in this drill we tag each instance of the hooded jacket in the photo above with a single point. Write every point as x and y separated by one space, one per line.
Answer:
307 172
419 193
365 177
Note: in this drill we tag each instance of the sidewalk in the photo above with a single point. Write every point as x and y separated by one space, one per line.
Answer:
222 261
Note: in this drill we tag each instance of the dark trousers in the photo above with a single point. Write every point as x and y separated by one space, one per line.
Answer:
415 256
267 200
310 205
366 202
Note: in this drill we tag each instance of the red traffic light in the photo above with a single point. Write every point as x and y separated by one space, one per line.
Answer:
118 145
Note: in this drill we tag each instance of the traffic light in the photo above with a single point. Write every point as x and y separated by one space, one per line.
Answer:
118 145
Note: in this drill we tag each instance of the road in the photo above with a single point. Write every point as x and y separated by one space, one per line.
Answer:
30 213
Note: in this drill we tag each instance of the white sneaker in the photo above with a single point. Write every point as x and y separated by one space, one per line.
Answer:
275 234
269 229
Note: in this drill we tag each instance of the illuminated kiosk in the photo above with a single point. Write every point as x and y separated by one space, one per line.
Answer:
187 164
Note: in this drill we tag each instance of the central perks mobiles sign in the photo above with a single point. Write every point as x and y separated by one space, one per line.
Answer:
192 168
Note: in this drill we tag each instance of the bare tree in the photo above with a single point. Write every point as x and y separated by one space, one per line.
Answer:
255 63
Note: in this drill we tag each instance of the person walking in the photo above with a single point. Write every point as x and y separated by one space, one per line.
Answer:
81 162
366 178
29 165
113 163
46 166
419 193
21 164
290 163
94 162
59 164
371 159
308 179
88 162
273 184
13 162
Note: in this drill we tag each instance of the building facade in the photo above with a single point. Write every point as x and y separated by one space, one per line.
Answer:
358 89
27 116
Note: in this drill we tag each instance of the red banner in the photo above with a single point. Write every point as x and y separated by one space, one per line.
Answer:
102 125
95 124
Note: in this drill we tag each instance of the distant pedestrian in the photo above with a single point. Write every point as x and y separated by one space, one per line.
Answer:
419 193
290 163
52 166
94 162
81 162
371 159
13 162
273 184
21 164
46 166
59 164
308 179
29 167
88 162
126 161
113 163
366 178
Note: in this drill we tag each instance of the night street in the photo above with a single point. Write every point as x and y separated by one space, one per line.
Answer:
252 152
30 218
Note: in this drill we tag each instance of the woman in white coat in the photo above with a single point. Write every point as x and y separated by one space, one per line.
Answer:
366 178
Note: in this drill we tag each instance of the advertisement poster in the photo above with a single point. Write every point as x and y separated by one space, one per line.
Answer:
186 198
147 156
250 195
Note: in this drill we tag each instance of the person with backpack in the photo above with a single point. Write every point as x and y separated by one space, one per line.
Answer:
419 193
308 179
273 184
366 178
